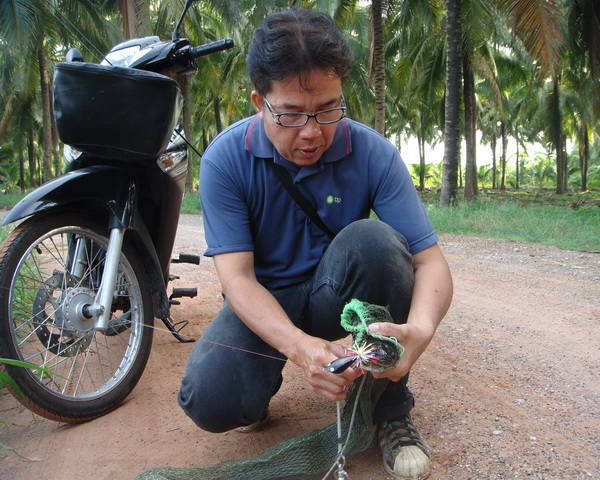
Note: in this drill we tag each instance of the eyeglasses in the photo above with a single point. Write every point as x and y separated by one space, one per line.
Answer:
293 119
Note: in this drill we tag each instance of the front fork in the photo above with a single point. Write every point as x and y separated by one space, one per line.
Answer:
100 310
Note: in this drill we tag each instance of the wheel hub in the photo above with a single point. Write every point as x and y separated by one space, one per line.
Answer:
73 311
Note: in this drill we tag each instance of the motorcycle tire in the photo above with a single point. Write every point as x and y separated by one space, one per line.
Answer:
78 373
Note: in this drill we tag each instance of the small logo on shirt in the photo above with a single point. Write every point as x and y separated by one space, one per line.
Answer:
333 199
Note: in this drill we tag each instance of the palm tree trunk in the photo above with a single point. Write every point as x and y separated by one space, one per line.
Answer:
470 128
453 100
21 166
188 106
504 139
205 140
518 168
561 157
494 165
134 13
31 157
217 110
584 155
55 140
378 65
46 117
422 166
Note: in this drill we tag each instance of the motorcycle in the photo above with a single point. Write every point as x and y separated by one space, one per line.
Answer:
86 272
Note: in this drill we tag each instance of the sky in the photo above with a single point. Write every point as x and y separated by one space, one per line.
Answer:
409 150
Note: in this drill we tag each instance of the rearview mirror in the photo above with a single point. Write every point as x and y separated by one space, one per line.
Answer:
186 7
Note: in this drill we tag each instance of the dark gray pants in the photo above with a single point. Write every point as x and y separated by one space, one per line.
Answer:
225 388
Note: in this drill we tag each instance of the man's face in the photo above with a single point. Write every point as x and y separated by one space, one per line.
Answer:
318 91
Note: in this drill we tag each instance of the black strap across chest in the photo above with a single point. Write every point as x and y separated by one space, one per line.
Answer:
305 205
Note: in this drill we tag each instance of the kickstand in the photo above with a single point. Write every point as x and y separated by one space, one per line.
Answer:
175 328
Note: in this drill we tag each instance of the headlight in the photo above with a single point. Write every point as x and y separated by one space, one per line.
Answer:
169 161
70 153
122 57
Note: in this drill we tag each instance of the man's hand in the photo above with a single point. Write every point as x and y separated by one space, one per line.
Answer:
413 338
313 355
431 299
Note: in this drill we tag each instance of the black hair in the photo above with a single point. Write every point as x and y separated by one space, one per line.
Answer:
294 42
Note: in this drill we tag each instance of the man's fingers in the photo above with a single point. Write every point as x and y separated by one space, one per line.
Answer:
387 329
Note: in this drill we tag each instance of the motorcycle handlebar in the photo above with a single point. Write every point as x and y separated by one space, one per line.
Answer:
212 47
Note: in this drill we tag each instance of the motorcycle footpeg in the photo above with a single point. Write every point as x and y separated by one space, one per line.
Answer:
185 258
184 292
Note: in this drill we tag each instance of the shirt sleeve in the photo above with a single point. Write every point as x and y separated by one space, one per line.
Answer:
396 202
224 210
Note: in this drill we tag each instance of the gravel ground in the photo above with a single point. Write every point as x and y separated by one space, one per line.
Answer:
508 389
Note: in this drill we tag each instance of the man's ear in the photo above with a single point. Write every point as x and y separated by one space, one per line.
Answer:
257 100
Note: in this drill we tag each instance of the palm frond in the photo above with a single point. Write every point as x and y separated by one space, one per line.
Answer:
541 26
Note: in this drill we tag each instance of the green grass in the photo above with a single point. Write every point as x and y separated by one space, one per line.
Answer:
7 381
9 200
570 223
191 204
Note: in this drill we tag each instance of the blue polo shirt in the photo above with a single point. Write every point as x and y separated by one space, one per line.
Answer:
245 207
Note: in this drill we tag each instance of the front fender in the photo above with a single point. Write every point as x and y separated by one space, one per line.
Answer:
113 190
112 187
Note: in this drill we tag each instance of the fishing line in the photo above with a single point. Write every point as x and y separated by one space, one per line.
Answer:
243 350
159 329
339 460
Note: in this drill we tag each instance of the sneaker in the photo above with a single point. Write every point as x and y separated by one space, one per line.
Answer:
254 427
404 452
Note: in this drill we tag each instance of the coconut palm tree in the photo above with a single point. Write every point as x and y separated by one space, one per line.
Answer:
582 74
33 33
477 16
540 25
536 22
378 63
453 102
416 87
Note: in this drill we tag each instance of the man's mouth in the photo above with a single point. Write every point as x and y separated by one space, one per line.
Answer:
309 150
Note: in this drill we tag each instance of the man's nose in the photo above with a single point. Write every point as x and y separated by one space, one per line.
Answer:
311 129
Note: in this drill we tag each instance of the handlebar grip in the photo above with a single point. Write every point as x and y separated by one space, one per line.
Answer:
212 47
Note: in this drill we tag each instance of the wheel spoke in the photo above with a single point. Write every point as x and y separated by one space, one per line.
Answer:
47 325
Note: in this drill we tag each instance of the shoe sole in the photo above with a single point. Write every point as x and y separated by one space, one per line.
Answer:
423 476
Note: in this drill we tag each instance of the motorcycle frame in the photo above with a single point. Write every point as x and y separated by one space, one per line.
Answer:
139 203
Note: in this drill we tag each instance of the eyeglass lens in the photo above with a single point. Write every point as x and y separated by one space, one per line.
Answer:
297 119
290 119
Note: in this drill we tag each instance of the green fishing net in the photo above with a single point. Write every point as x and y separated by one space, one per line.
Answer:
311 455
377 352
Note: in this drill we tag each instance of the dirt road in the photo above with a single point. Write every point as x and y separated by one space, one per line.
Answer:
509 388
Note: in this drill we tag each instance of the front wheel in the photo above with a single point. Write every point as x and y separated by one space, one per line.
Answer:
49 267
